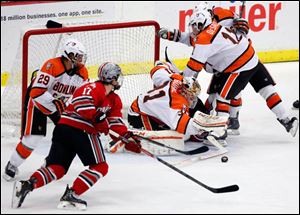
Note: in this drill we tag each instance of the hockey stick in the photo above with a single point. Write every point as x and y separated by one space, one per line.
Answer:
226 189
242 8
199 150
221 150
169 61
53 24
230 188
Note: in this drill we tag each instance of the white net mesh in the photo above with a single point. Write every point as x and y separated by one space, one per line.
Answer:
132 48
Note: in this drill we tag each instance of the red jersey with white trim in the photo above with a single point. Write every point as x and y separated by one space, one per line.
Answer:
167 105
52 82
86 102
223 49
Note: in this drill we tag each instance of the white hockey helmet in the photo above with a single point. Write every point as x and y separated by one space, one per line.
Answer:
111 73
190 90
199 20
204 5
74 51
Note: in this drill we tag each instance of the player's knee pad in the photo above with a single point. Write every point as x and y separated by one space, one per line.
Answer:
31 141
102 168
267 91
57 170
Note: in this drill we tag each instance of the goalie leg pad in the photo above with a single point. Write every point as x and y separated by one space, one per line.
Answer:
209 123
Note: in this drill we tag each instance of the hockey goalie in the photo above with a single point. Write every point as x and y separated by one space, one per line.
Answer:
165 110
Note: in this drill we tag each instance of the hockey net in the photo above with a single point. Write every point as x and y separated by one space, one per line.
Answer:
132 45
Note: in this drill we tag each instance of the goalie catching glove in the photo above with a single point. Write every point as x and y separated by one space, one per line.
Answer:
169 35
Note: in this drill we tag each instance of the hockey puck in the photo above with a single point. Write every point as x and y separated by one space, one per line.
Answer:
224 159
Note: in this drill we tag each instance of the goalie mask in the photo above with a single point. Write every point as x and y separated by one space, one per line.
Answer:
110 73
190 90
75 52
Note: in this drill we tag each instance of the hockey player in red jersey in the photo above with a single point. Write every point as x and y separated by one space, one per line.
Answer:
95 108
46 97
233 61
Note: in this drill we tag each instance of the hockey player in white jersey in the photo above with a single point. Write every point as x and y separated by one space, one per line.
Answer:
226 18
46 96
165 72
235 64
167 108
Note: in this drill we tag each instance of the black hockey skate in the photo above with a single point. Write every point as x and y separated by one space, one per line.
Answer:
21 189
10 172
291 125
233 125
69 200
296 104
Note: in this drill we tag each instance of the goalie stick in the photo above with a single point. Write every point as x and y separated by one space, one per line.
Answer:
231 188
199 150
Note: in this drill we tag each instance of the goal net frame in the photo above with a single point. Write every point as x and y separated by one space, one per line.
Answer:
72 29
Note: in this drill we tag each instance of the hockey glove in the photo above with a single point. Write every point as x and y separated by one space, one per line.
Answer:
241 25
100 117
134 144
169 35
60 105
102 127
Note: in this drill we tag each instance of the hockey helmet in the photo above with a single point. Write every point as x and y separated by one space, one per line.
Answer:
74 51
208 6
199 20
111 73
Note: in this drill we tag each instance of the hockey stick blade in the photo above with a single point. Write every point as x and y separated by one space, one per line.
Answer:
199 150
227 189
231 188
53 24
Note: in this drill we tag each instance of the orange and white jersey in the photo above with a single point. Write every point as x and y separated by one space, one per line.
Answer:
223 49
52 82
163 73
166 105
222 16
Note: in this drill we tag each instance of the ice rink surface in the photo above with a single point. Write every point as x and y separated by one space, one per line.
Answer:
263 161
